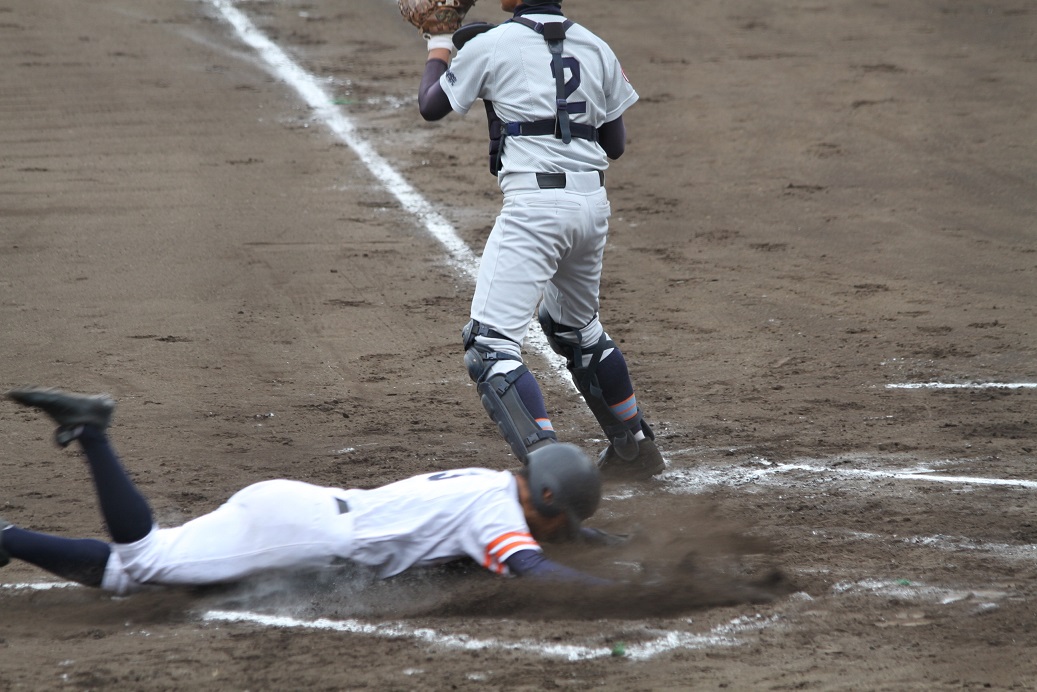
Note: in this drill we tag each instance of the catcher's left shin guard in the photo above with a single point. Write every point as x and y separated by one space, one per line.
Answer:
583 366
620 433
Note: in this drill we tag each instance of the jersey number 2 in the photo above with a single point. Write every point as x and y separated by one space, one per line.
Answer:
573 65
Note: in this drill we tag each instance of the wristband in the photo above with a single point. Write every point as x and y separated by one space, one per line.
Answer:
441 41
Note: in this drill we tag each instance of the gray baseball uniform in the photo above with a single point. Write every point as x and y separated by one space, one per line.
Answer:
554 95
543 237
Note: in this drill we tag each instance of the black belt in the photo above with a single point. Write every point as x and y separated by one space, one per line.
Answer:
556 181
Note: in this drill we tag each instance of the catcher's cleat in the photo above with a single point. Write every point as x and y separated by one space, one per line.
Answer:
4 557
70 411
648 462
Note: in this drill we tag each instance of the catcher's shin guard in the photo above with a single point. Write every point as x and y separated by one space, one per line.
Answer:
583 366
502 401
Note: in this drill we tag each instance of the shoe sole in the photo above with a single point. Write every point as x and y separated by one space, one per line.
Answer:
617 469
65 408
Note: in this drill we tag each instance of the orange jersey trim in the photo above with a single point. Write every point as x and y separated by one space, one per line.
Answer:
503 544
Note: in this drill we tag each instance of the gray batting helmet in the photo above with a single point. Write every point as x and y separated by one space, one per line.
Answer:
571 477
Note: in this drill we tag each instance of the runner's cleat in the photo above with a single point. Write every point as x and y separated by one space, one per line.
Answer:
70 411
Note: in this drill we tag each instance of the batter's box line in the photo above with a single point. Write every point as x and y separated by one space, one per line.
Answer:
963 385
721 636
697 480
906 590
954 544
41 585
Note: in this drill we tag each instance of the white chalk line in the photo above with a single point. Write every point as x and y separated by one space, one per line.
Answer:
326 111
953 544
660 642
40 586
963 385
764 472
907 590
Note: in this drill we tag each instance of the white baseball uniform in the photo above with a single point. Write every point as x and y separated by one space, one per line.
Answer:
284 524
546 242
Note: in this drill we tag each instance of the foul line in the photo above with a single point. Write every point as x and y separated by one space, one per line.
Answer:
325 110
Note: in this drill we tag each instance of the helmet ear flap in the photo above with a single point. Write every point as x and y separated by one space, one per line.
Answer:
571 478
543 497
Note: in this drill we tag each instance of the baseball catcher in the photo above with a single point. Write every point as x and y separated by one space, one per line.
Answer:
497 518
554 95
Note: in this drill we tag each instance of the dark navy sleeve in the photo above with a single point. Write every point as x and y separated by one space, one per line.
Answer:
533 563
433 103
612 136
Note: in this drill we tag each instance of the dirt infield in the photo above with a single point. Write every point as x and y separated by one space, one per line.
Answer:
822 205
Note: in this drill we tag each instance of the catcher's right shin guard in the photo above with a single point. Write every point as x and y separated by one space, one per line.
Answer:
502 400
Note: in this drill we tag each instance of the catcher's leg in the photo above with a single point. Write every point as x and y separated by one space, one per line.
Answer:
508 391
600 373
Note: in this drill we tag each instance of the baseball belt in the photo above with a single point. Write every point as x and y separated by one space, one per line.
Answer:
556 181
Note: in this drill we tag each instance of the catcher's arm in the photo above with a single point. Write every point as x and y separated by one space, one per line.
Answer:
612 136
433 103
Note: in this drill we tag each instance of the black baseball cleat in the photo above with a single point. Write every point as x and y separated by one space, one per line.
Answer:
648 462
70 411
4 557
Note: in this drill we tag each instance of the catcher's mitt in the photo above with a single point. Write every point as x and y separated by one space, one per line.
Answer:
433 17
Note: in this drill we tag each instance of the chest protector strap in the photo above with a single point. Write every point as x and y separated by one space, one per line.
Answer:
554 34
560 126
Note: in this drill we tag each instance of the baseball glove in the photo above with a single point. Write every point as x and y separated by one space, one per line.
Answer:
433 17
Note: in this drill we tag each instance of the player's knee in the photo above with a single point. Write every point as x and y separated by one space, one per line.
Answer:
487 352
575 344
